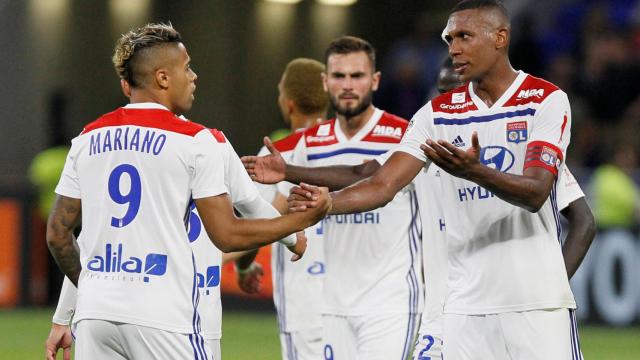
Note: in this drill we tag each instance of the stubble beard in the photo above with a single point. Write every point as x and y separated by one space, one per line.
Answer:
350 112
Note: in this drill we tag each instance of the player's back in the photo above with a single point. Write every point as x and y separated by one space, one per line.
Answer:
136 170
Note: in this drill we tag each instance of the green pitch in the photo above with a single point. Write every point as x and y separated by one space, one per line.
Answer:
255 336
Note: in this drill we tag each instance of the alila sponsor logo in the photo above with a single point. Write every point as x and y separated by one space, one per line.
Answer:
390 131
456 106
527 93
115 262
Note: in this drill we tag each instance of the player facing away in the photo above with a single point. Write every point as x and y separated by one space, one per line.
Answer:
130 177
507 289
372 286
297 285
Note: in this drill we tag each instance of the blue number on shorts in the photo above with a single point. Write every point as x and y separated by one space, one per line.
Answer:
195 224
328 352
430 340
132 197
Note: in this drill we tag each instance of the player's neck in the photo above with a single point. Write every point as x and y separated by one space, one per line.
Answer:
141 96
305 121
494 83
351 125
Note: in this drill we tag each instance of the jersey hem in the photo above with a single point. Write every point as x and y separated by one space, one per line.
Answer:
342 312
133 321
461 310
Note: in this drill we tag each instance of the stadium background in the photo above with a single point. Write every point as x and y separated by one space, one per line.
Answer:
57 76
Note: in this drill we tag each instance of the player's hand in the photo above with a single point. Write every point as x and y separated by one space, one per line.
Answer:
312 199
300 247
268 169
455 161
250 279
59 338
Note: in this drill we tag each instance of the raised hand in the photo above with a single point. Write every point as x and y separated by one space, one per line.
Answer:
300 247
250 279
453 160
59 338
268 169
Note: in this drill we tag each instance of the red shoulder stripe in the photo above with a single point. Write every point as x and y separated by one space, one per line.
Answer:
150 118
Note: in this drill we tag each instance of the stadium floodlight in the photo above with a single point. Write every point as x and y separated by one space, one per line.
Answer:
284 1
337 2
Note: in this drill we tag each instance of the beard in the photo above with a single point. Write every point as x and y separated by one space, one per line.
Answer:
351 111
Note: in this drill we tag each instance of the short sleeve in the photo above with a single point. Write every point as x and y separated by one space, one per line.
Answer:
550 134
417 133
69 184
568 189
240 185
210 164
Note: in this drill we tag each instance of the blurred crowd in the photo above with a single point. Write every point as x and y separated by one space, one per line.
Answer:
591 50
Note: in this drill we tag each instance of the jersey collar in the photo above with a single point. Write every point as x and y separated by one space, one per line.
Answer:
146 105
366 129
481 105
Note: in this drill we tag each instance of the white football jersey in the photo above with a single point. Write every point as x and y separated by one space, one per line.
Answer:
135 170
569 190
501 257
372 259
297 286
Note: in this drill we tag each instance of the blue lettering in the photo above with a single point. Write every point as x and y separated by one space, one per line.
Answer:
442 225
485 195
148 139
111 262
157 146
107 142
135 140
133 265
357 218
463 194
117 145
369 218
97 264
94 145
126 138
471 191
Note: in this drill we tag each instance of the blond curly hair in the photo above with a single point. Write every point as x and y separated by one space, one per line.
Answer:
131 44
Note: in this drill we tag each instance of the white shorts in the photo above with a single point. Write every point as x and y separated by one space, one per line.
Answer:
100 339
370 337
214 348
537 334
302 345
428 347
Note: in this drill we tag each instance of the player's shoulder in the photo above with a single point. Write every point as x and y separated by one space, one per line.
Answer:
388 129
455 101
150 118
532 90
289 142
322 134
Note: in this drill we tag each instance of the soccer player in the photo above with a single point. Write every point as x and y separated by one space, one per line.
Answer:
508 293
298 285
571 201
372 288
132 174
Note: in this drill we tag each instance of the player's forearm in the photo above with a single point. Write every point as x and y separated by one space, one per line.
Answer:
582 230
66 303
248 234
65 252
258 208
527 192
368 194
334 177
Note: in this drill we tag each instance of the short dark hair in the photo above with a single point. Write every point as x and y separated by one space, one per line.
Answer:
481 4
130 45
348 45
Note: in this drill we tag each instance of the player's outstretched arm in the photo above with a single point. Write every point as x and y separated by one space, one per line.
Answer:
529 190
270 169
230 233
368 194
64 218
582 230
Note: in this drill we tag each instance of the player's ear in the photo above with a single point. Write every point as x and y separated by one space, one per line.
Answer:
502 38
126 87
161 77
324 81
291 106
376 80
